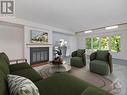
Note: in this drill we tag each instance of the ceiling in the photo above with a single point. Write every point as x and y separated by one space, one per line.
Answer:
73 15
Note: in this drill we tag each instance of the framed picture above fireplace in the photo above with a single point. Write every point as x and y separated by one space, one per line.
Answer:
39 37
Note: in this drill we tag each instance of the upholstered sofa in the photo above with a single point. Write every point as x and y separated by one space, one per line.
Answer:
58 84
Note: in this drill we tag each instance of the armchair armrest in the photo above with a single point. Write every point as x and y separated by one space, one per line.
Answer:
84 58
17 61
74 53
110 62
93 56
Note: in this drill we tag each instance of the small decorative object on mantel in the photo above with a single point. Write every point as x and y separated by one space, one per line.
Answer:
39 37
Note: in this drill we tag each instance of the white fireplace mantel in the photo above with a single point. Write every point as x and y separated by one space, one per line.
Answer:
38 45
30 45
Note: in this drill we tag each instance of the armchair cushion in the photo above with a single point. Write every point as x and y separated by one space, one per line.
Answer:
77 62
100 67
102 55
80 52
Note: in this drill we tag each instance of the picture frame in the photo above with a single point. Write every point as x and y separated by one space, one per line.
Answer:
39 37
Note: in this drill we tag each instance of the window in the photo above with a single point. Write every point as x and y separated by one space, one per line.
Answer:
104 43
96 43
115 43
88 43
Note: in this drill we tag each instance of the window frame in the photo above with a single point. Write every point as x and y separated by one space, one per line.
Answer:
98 43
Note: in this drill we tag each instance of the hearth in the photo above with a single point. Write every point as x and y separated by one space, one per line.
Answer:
39 55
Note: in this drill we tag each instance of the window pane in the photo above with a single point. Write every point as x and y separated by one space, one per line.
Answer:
88 43
115 43
104 43
96 43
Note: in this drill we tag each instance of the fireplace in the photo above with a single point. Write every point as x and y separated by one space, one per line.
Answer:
39 55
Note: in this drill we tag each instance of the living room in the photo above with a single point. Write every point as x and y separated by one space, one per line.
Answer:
80 43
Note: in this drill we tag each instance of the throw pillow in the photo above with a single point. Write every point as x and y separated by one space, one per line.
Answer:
21 86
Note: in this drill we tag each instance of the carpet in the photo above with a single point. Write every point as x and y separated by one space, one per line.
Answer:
112 85
104 82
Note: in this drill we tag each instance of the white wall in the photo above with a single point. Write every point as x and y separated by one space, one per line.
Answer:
71 39
11 40
15 36
80 41
122 32
25 22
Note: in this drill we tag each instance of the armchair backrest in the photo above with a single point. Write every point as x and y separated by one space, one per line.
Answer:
102 55
78 53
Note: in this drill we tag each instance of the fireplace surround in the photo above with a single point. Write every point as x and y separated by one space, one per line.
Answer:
28 45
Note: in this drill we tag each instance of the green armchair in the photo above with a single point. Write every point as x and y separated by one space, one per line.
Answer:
101 62
78 58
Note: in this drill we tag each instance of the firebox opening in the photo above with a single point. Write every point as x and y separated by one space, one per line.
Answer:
39 55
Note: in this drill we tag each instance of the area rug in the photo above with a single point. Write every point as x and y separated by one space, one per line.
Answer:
104 82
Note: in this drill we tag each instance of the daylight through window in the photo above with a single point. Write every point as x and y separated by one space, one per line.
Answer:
115 43
88 43
102 43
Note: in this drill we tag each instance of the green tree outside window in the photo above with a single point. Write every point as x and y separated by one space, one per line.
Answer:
88 43
104 43
96 43
115 43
